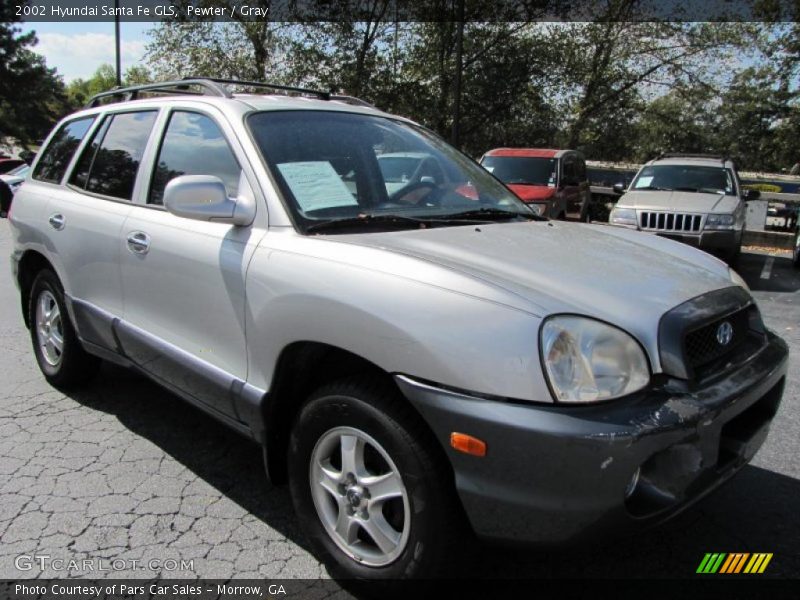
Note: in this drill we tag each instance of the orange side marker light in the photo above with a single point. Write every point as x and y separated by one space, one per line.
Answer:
467 444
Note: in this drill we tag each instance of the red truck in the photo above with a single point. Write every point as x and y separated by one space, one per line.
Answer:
552 181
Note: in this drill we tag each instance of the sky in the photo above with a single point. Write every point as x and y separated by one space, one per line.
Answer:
77 49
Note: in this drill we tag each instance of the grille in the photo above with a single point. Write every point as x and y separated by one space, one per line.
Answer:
702 346
668 221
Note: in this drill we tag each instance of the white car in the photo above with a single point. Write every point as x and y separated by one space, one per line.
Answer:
695 199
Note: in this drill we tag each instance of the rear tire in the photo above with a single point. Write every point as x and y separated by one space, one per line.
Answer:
349 437
61 358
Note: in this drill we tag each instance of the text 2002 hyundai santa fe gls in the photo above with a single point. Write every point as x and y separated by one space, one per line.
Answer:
417 360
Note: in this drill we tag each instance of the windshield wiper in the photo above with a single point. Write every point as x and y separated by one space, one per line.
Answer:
686 189
655 188
367 218
493 214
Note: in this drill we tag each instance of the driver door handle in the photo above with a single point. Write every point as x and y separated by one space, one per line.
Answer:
138 242
57 221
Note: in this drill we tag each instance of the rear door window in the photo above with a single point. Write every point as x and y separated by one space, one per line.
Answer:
56 157
109 164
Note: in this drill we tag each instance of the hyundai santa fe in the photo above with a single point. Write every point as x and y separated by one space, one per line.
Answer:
421 362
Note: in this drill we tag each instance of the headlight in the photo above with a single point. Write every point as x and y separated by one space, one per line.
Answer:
538 209
587 360
719 222
623 216
737 279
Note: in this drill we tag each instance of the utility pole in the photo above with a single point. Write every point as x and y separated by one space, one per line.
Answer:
456 132
116 42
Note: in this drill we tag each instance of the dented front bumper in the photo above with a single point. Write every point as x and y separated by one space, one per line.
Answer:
556 474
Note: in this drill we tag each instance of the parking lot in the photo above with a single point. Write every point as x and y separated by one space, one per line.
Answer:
125 470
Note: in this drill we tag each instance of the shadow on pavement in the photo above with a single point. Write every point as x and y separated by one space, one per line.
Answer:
224 459
782 276
755 512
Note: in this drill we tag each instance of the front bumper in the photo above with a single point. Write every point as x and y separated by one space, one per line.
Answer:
556 474
725 240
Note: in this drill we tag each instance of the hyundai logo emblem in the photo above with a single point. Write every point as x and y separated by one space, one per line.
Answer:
724 333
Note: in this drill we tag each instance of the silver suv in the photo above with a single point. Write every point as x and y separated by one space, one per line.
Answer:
422 363
696 199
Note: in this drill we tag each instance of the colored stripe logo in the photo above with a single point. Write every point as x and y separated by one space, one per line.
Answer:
734 562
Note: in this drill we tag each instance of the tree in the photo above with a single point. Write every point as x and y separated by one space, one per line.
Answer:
683 120
756 115
618 59
346 54
104 78
32 95
240 49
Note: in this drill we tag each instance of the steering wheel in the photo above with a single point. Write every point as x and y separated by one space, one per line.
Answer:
397 197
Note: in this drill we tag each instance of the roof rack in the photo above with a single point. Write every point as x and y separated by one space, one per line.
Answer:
692 155
210 86
272 86
182 86
351 100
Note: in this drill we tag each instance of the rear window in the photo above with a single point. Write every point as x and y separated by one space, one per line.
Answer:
56 157
109 165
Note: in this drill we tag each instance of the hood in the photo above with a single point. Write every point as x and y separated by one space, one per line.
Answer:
533 193
679 201
621 276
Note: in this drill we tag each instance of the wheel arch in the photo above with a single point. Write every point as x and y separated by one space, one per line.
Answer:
303 367
30 264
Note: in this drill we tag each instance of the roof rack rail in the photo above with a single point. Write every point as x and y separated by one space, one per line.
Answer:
351 100
693 155
181 86
272 86
211 86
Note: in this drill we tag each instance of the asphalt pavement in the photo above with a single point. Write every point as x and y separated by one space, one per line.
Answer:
127 472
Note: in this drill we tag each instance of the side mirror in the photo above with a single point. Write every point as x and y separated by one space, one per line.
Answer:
619 188
751 195
427 179
204 198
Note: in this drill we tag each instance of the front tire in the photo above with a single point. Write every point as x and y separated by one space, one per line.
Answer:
61 358
375 498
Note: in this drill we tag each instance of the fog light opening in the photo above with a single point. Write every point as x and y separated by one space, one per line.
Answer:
632 483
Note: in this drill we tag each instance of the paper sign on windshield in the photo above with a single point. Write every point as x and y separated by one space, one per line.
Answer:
316 185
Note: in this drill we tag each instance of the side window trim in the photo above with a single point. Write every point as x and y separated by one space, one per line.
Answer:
141 188
101 130
99 118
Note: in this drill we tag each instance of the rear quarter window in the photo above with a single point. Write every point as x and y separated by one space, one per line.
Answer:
56 157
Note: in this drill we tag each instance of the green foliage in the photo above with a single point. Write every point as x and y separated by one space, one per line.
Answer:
617 88
31 94
104 78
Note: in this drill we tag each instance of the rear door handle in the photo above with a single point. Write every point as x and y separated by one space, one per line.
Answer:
138 242
57 221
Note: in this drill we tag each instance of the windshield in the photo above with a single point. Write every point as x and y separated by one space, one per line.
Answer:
522 170
333 166
686 178
398 169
